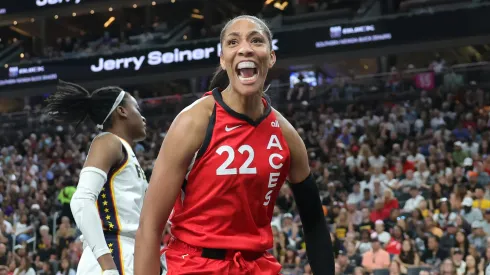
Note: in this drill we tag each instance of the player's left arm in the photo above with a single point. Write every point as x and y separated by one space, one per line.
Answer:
317 236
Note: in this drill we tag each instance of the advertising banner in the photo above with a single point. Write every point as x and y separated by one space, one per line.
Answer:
10 7
287 44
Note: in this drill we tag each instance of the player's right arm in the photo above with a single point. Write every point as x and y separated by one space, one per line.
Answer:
183 140
105 152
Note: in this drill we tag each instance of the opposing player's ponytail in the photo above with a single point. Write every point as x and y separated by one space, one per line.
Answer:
72 103
220 78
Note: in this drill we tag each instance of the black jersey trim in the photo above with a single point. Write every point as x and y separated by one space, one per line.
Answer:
209 134
184 185
219 98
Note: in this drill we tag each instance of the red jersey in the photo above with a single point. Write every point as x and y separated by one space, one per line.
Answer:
230 190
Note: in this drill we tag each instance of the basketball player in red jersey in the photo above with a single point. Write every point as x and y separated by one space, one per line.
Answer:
221 166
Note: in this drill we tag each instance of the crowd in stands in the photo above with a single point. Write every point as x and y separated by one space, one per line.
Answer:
404 182
110 42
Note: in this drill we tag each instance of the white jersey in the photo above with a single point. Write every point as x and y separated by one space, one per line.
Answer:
121 199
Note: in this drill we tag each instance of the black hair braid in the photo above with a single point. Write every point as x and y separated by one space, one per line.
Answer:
70 103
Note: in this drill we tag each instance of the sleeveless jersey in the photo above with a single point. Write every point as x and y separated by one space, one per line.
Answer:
121 199
232 184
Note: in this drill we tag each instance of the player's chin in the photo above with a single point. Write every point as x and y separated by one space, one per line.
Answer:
249 89
141 135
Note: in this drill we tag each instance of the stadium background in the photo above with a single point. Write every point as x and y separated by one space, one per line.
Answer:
390 97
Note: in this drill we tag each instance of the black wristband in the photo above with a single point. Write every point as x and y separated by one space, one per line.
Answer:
317 236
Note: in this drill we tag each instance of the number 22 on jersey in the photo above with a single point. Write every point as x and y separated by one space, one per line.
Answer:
247 167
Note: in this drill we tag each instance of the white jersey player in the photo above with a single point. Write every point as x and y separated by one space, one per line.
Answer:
112 185
118 205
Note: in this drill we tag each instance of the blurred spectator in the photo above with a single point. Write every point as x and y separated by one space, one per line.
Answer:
65 268
408 257
469 213
434 255
377 258
24 267
414 201
458 262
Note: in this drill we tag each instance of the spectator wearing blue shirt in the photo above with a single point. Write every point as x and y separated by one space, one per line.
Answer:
345 137
461 133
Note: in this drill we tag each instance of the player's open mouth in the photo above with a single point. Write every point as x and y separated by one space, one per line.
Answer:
247 72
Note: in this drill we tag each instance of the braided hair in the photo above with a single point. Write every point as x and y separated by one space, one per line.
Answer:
71 103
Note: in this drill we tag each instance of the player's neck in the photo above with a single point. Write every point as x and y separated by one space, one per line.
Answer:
251 106
122 134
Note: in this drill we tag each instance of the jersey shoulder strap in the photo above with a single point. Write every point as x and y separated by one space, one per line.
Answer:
207 94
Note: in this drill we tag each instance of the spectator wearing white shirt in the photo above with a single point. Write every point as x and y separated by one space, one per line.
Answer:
376 160
377 176
437 120
458 262
414 201
470 213
365 151
383 236
24 267
415 157
471 147
445 216
409 181
374 120
391 182
8 226
276 218
354 160
419 126
438 64
356 195
422 173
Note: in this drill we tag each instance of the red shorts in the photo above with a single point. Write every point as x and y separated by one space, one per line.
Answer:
184 259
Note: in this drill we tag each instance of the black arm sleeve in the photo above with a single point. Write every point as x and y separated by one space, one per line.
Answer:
317 236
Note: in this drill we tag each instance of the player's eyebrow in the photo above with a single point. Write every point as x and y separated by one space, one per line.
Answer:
234 34
251 33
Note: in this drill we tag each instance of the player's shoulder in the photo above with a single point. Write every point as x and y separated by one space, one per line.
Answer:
286 127
200 106
107 140
197 114
105 150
